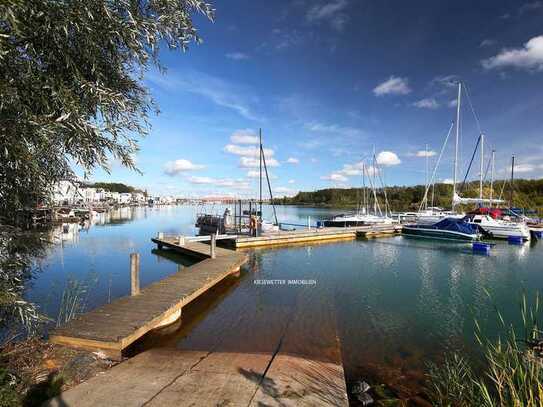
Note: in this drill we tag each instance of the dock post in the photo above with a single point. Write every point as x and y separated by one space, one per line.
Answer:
134 273
309 223
213 244
181 241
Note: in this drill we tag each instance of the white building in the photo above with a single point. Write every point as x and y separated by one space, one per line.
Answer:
66 193
138 197
125 198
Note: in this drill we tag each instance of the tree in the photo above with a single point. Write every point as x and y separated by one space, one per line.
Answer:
70 85
71 93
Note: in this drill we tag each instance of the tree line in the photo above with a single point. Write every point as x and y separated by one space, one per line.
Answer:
526 194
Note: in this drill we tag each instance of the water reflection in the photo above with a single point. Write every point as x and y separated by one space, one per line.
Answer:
392 304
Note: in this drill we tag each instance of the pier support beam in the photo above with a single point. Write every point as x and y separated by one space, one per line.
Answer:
134 273
213 246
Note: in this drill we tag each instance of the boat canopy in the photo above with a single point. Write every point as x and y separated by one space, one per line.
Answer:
456 225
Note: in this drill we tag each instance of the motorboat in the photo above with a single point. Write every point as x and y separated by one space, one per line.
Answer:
448 229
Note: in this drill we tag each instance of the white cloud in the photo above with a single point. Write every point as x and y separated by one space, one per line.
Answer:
284 191
530 56
393 86
522 168
181 165
247 151
335 177
350 170
487 43
200 180
251 162
256 174
387 158
220 182
445 81
219 91
292 160
291 181
452 103
426 103
424 153
447 181
527 7
331 12
244 136
237 56
333 129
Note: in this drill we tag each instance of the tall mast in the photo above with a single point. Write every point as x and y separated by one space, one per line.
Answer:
456 141
492 177
374 185
426 177
512 179
481 169
364 198
260 177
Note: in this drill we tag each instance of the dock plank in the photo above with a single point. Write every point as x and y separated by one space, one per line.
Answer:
116 325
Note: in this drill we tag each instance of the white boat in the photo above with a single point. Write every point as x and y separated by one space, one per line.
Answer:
432 216
358 219
363 217
268 227
499 229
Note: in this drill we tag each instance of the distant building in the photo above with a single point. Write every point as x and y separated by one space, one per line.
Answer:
66 193
125 198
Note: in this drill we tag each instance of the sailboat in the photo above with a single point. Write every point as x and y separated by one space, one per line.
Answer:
494 228
447 225
362 217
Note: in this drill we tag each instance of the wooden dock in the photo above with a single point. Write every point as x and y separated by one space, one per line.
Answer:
111 328
168 377
315 235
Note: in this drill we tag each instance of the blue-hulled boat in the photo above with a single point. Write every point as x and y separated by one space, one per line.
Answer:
448 228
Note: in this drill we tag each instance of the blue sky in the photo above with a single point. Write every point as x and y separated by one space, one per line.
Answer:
329 81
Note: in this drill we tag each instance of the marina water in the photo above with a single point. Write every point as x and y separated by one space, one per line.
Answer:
392 304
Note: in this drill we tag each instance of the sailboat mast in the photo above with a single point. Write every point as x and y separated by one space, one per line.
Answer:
512 179
426 177
481 169
455 175
492 177
260 166
364 195
374 185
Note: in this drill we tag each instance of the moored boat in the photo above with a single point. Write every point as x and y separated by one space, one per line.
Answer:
357 219
448 228
499 229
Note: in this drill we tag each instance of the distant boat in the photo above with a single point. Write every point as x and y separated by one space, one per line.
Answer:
363 217
433 215
448 228
358 219
499 229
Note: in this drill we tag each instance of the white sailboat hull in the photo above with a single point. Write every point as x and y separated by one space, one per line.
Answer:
503 232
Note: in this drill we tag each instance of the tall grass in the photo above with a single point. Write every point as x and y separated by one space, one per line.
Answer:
512 373
75 297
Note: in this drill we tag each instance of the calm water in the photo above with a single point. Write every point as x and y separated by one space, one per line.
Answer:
392 304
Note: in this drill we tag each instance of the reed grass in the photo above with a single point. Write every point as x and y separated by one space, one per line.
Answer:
75 297
512 373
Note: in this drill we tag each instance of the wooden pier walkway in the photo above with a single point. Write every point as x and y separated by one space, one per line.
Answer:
315 235
113 327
